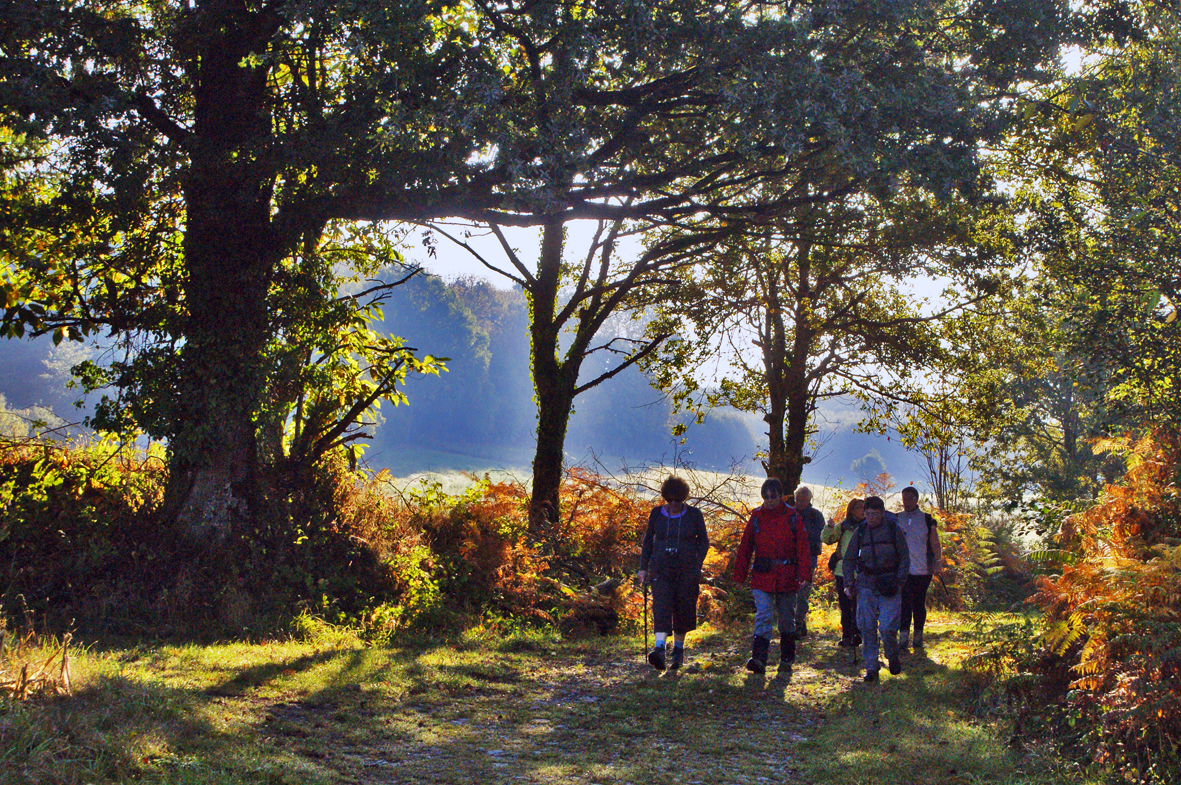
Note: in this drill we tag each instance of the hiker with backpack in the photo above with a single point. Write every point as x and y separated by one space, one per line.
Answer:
926 560
876 564
675 545
841 533
775 552
814 524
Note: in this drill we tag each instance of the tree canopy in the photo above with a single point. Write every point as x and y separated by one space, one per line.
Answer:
173 172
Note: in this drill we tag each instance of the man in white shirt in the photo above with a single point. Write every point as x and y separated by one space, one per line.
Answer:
926 560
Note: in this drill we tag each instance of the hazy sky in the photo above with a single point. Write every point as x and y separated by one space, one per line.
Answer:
451 261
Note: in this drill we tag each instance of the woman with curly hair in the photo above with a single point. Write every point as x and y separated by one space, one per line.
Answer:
675 544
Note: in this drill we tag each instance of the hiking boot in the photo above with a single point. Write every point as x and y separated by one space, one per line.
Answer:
918 641
758 655
904 642
787 650
656 658
845 643
678 658
871 675
801 632
895 666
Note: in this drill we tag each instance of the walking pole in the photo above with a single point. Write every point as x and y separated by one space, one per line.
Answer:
645 652
857 646
946 591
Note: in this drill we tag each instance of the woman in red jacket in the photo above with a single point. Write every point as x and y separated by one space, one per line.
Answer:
776 538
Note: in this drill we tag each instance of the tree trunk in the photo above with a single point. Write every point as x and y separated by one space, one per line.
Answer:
229 254
787 420
786 370
554 401
554 382
799 409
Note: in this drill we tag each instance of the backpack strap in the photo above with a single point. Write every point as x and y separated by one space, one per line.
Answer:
895 530
931 524
859 532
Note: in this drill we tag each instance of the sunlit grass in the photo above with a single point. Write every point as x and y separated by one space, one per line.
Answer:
523 707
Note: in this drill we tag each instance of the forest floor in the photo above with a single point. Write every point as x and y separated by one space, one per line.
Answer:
523 708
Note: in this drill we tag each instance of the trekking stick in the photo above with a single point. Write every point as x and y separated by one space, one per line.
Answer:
645 652
857 646
946 591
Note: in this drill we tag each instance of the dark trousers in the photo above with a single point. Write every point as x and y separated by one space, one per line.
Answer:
914 602
848 610
674 601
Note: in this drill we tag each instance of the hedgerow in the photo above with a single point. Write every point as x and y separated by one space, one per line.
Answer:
83 543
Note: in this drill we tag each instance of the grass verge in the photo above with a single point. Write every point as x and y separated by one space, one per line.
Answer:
528 708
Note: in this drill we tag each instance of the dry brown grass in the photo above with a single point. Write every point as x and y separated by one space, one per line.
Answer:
25 670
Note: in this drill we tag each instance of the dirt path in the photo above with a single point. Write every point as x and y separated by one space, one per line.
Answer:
551 717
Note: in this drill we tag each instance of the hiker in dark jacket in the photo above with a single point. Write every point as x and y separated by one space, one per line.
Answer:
876 566
675 545
841 534
814 524
776 539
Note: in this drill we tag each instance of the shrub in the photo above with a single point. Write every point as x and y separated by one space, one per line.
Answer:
1113 614
81 533
1106 660
490 571
74 524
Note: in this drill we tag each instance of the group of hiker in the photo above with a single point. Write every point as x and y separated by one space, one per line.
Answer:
883 564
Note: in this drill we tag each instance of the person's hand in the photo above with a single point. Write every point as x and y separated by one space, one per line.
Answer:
642 577
849 592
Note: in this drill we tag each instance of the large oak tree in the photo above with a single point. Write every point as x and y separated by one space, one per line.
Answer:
817 105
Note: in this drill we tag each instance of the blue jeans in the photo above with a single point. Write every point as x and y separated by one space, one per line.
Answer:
874 612
767 604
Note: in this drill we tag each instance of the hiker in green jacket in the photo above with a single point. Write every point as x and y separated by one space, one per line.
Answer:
841 533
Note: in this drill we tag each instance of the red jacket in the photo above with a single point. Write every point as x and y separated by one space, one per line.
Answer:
779 535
